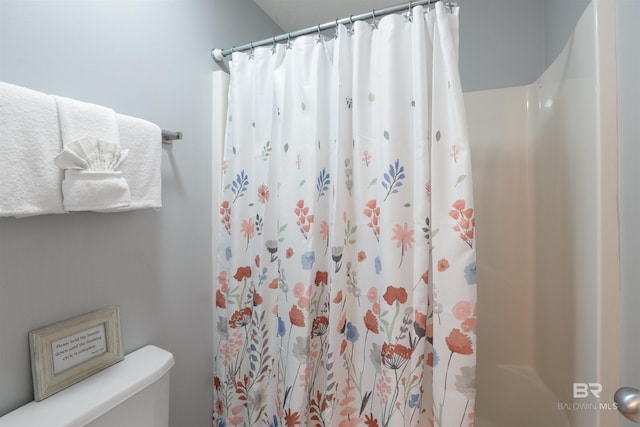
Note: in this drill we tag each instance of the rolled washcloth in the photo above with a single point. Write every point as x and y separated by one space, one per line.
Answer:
91 157
29 141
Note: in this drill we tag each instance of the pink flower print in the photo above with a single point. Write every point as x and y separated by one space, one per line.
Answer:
455 153
324 233
362 255
263 194
225 215
443 265
366 157
372 295
404 239
298 290
304 219
373 212
465 220
469 324
462 310
248 230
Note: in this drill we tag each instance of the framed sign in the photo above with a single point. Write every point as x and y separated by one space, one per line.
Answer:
65 353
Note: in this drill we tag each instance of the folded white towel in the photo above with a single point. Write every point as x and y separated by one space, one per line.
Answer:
142 171
29 141
80 119
91 180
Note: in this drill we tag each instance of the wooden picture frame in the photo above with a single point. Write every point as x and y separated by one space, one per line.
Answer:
67 352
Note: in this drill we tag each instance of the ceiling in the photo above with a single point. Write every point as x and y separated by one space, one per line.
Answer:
294 15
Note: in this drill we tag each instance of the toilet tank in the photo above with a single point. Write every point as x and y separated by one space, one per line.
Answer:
131 393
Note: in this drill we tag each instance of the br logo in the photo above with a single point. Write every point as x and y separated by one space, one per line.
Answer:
583 390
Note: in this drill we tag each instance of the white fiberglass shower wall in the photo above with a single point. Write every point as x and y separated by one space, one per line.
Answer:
545 169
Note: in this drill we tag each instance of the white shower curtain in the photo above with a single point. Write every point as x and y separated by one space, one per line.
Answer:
346 285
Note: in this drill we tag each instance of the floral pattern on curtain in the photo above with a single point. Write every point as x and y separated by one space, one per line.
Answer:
346 286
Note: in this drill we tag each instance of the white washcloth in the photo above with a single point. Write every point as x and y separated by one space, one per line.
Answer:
142 171
84 128
92 181
29 141
81 119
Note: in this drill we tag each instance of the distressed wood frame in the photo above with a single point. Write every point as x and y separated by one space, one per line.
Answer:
45 381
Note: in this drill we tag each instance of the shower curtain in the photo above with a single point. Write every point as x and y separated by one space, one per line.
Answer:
346 286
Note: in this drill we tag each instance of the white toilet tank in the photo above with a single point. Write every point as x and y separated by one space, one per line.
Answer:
131 393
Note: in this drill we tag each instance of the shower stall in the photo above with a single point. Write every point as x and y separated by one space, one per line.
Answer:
545 182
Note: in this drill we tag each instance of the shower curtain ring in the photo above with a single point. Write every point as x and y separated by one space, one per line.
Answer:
319 36
374 23
251 51
289 46
351 30
273 46
335 36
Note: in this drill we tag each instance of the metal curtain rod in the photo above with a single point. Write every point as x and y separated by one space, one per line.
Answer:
219 54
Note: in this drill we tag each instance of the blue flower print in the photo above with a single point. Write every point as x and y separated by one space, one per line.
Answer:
378 265
352 333
470 273
282 329
307 260
227 253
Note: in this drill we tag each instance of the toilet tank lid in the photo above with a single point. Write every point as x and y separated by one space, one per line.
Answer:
92 397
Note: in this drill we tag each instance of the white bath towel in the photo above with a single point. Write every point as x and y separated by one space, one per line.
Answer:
81 119
143 139
29 141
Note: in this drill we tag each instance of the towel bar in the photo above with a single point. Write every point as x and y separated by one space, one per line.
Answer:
168 136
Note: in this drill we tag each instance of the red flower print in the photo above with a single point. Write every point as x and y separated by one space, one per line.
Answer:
273 284
443 265
240 318
321 277
459 342
430 359
219 405
420 323
291 419
425 277
221 301
296 316
257 260
371 421
394 294
257 298
394 356
289 253
362 255
404 238
371 322
217 384
373 212
263 194
242 273
320 326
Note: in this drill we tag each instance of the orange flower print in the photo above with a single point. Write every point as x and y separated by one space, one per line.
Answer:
291 419
443 265
220 300
394 294
248 230
371 322
225 214
263 194
296 316
404 239
459 342
394 356
242 273
320 326
240 318
257 298
373 212
304 219
420 324
338 298
465 220
371 421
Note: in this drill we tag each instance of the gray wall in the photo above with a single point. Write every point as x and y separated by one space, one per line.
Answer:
628 34
146 58
560 17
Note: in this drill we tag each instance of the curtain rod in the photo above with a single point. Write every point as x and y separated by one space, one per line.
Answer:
219 54
169 136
